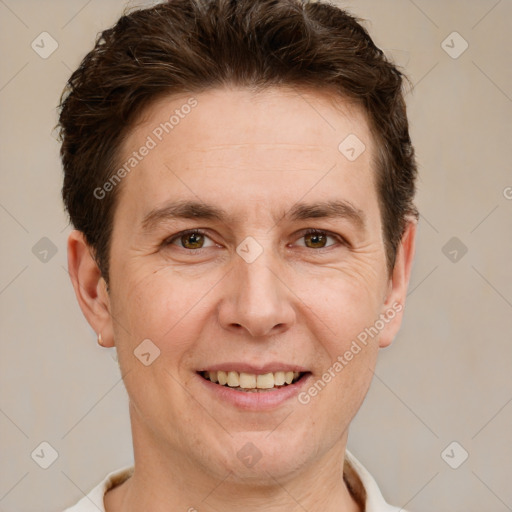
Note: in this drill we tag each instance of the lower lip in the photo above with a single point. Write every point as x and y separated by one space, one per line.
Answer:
255 401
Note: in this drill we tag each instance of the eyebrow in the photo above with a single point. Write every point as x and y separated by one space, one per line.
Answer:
188 209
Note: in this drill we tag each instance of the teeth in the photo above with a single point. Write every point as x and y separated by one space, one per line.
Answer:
233 379
279 379
221 376
265 381
250 380
247 380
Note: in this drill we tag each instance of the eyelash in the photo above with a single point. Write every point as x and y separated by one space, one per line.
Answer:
311 231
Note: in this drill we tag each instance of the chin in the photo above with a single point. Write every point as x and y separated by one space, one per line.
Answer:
261 458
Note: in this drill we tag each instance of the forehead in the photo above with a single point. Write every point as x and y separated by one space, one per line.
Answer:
312 121
254 144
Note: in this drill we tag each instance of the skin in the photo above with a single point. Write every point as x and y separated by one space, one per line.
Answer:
297 302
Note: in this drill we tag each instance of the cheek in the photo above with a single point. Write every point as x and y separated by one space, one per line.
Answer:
346 305
163 307
148 301
135 312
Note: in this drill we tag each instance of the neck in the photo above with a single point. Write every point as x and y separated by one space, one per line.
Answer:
166 480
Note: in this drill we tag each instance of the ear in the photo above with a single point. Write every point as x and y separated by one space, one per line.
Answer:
90 287
394 304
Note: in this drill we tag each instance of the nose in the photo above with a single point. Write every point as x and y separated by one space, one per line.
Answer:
257 298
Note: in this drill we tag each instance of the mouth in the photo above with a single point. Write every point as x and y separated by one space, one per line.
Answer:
251 382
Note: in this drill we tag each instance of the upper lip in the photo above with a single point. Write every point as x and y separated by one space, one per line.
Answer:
271 367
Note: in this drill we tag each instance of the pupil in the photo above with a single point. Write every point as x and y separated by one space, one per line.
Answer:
194 238
316 238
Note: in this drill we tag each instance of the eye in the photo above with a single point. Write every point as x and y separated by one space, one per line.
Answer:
317 239
192 239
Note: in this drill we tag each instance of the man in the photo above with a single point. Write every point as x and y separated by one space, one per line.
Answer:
240 177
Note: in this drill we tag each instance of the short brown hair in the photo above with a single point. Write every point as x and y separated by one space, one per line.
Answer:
185 46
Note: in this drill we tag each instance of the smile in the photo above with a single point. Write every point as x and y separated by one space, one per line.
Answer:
251 382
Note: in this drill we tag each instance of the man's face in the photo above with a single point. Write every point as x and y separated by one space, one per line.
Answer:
252 292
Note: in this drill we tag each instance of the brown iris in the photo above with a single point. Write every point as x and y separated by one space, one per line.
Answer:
196 240
317 239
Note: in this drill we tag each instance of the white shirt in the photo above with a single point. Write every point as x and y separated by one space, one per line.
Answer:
361 484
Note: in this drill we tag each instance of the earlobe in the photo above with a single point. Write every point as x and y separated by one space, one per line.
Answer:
90 287
394 304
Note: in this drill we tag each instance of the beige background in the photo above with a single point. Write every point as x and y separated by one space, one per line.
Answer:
446 378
